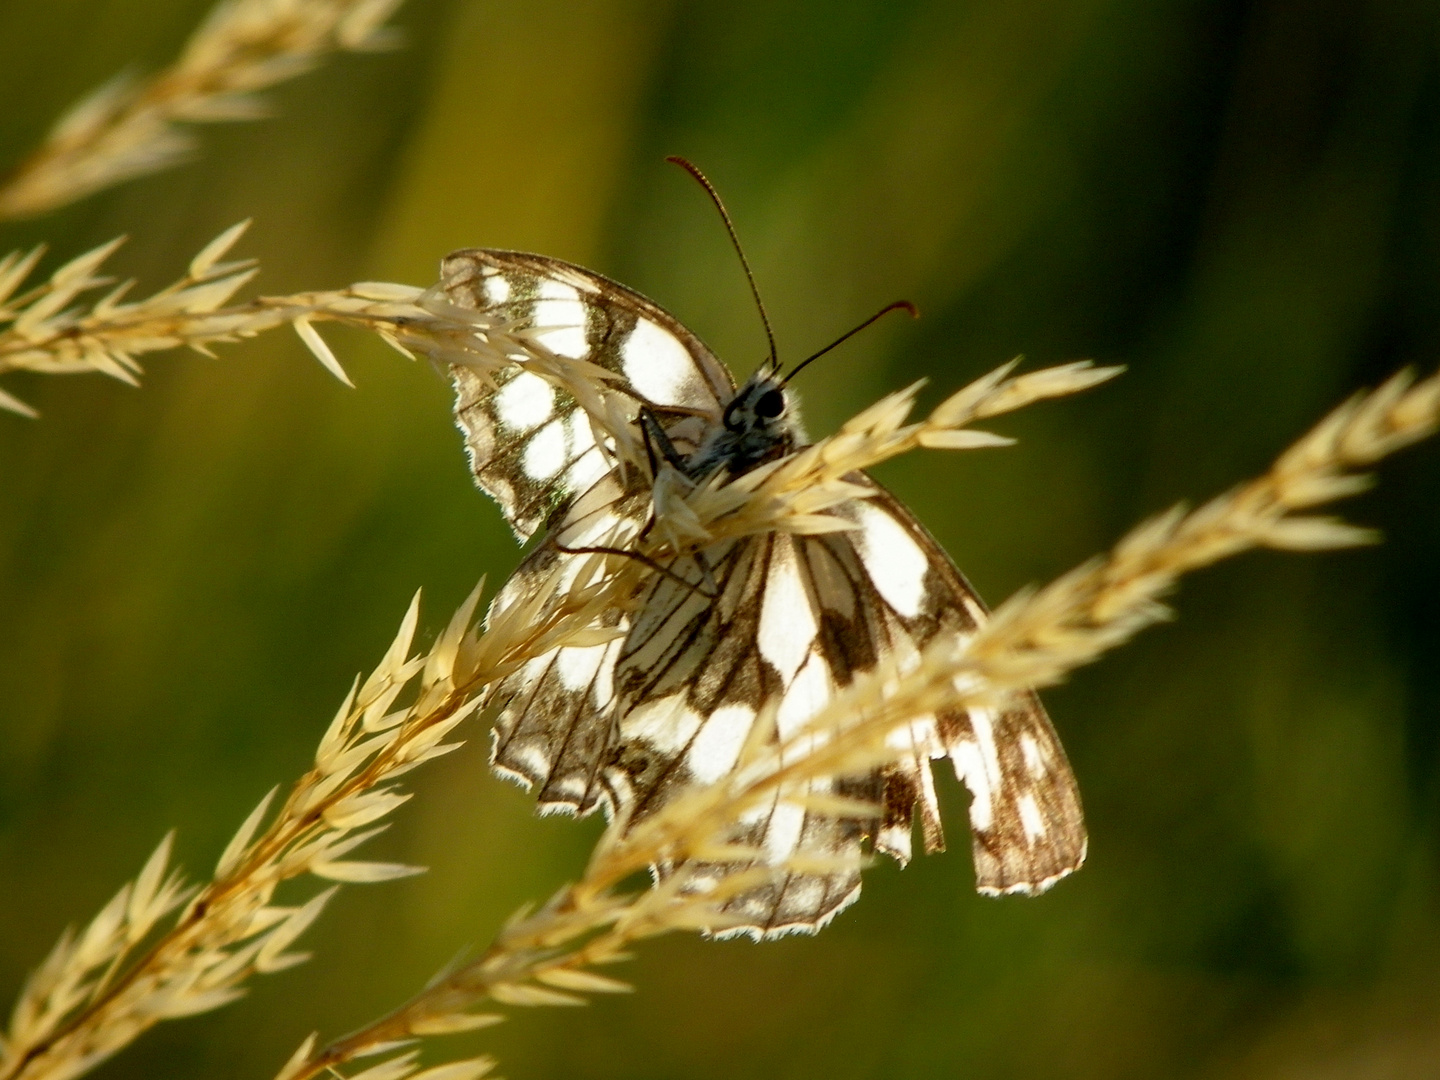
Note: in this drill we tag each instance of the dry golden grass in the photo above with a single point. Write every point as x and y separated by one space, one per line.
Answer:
46 331
94 995
128 128
103 986
97 991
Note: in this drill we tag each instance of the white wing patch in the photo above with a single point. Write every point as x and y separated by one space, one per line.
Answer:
589 465
895 562
1030 819
666 725
525 402
806 695
808 894
588 469
717 745
578 666
977 765
782 836
787 623
1034 757
579 435
545 452
560 319
495 288
531 760
657 365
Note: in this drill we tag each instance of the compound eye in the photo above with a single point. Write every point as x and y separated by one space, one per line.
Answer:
770 405
730 420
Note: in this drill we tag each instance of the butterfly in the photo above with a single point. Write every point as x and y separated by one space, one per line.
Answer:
773 619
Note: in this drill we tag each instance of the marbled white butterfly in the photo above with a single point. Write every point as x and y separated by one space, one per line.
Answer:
781 617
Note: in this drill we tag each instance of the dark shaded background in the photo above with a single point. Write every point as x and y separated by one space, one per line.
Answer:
1241 201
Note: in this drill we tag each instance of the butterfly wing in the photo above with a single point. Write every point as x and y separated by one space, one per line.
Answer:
532 446
796 618
537 450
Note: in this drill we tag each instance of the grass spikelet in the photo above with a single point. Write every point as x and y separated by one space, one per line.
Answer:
48 333
794 493
468 1069
128 128
453 1024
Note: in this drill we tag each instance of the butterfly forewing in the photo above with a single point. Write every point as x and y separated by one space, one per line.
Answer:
766 625
532 447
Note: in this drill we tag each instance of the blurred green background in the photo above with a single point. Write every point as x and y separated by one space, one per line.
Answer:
1239 200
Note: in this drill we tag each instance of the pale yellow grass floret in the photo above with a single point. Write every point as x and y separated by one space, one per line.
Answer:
46 331
795 493
129 127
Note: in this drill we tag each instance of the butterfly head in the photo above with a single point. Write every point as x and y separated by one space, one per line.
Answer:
760 423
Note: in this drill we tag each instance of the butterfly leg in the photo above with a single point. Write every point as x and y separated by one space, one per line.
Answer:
709 578
646 561
654 435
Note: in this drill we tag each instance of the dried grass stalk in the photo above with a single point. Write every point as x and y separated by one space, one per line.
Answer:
545 958
49 328
46 331
128 128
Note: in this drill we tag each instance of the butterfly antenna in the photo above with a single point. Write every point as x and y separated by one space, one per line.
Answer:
703 181
898 305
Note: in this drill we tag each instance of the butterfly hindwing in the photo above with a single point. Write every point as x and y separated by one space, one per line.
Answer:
1026 822
554 724
794 619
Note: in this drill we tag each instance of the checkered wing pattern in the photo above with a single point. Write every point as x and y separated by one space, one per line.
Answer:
533 448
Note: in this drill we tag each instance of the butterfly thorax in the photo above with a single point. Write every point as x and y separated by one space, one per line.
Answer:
761 423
